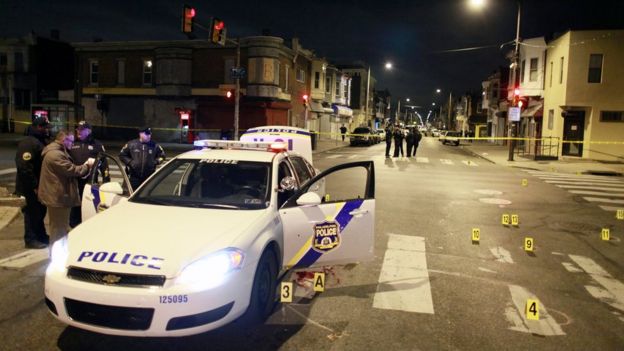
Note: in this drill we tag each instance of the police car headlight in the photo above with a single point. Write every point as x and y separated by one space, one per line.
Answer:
58 256
212 270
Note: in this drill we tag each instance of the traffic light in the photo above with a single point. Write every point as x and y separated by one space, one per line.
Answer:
516 98
217 35
229 94
188 13
304 99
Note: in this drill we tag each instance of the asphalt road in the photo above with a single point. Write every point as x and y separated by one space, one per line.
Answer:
430 286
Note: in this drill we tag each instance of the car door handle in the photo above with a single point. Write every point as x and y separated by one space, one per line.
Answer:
358 212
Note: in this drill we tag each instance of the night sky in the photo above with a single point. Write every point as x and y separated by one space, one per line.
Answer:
413 35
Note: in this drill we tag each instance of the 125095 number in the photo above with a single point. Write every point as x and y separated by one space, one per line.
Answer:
174 299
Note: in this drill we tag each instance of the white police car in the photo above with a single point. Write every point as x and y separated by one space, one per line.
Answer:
206 238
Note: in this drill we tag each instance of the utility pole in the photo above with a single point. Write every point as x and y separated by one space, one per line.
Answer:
448 127
367 97
237 91
514 75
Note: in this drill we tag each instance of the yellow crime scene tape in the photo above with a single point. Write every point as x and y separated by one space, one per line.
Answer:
179 129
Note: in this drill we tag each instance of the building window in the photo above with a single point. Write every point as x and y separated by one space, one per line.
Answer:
337 89
286 77
317 80
94 72
533 70
522 67
301 75
19 62
551 118
551 72
148 67
328 85
22 99
612 116
561 71
595 68
121 72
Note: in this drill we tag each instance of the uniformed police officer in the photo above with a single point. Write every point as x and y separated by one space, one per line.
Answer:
141 156
84 148
28 163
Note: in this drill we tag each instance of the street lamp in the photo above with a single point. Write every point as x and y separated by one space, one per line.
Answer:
438 91
388 65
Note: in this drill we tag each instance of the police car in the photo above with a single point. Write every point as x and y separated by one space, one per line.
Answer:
206 239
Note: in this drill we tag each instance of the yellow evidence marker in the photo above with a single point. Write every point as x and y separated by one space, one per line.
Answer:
505 219
319 281
532 309
605 234
286 292
515 220
327 197
525 182
476 234
528 244
619 214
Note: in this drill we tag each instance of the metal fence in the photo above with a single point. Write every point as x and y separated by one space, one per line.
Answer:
546 148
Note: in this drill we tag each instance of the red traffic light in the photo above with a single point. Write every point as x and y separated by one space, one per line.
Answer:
191 13
187 19
517 92
305 98
219 25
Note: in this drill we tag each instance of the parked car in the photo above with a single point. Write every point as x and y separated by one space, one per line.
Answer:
451 138
381 135
435 133
363 136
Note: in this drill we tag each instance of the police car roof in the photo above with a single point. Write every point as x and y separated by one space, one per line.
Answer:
230 154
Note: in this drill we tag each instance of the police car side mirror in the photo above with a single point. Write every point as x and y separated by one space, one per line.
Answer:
287 184
309 199
112 187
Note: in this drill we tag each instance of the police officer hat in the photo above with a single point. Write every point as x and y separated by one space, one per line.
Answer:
40 121
146 130
83 125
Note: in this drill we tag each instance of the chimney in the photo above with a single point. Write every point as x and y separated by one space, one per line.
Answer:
55 34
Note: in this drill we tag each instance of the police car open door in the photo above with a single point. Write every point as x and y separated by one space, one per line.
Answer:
337 228
106 186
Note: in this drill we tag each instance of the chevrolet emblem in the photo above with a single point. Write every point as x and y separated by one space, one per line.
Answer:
111 279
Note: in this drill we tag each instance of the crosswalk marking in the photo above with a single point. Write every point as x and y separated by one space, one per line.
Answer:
8 171
613 185
334 156
612 291
514 313
589 188
610 208
598 193
352 157
422 159
404 279
501 254
25 258
600 199
446 161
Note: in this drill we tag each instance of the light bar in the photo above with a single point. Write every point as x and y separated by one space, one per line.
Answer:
232 144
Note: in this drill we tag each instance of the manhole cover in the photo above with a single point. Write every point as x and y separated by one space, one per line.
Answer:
495 201
488 192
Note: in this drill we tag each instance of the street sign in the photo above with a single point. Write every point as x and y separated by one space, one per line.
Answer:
514 114
237 72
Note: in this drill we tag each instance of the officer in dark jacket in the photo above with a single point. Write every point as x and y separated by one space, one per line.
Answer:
398 141
409 140
85 147
141 157
388 140
417 138
28 163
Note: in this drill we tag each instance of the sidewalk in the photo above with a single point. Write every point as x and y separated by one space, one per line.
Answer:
499 154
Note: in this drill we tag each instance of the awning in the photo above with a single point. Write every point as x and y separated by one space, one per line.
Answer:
342 111
316 107
533 111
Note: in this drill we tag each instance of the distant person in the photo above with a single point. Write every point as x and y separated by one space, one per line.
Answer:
417 139
84 148
388 140
141 156
28 161
58 184
409 141
398 135
343 132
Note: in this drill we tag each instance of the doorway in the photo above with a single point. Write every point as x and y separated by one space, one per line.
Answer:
573 130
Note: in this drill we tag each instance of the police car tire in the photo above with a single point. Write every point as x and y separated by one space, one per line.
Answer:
262 298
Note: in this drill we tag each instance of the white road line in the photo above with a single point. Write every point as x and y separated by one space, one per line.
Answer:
612 185
575 180
568 175
599 199
352 157
8 171
422 159
613 292
515 314
470 163
501 254
610 208
487 270
25 258
446 161
7 214
571 268
589 188
583 192
334 156
404 280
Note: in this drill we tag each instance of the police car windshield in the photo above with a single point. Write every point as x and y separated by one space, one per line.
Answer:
209 183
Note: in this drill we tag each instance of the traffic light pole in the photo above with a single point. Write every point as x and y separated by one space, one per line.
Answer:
237 91
514 75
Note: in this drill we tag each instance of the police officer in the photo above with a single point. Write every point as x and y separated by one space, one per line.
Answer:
388 140
84 148
409 140
398 141
28 163
141 157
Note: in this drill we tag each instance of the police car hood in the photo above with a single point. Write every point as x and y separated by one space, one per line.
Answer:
151 239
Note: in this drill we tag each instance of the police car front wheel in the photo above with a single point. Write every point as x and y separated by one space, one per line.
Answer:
263 290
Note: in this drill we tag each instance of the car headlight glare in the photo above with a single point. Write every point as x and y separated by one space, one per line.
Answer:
59 255
212 270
